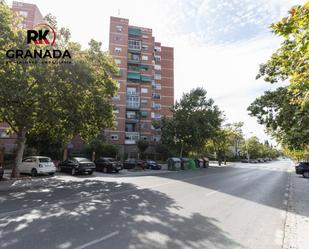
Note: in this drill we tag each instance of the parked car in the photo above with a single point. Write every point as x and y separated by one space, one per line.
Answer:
36 165
108 165
132 163
77 165
302 168
1 172
153 165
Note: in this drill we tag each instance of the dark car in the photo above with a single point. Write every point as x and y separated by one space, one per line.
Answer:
153 165
1 171
302 168
108 165
132 163
77 165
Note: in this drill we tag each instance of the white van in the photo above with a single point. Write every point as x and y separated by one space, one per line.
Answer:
35 165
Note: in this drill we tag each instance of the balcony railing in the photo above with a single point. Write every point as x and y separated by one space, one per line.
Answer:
131 137
133 105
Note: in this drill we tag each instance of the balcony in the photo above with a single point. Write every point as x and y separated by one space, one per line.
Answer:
134 45
133 76
134 32
145 78
133 105
131 137
131 120
144 114
132 93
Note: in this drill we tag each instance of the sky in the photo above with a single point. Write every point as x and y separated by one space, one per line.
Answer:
218 44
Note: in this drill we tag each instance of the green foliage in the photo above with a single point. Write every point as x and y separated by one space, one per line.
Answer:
225 141
59 100
285 111
291 60
256 149
101 148
287 122
195 120
142 146
43 146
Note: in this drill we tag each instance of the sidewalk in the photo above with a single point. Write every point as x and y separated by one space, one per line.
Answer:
297 224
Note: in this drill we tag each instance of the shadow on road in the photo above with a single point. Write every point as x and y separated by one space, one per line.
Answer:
70 214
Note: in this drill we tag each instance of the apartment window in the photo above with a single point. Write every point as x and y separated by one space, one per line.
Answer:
157 76
145 58
118 50
119 28
145 47
156 96
117 38
131 90
157 49
157 58
158 86
156 106
134 44
118 61
4 134
144 125
144 90
144 138
115 110
116 97
114 137
144 102
157 67
133 57
145 36
156 138
133 101
23 13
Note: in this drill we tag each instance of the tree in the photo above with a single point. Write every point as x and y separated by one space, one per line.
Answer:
195 120
225 141
99 146
290 62
60 100
285 111
142 146
287 122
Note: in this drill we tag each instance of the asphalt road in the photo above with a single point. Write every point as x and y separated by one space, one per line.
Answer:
243 206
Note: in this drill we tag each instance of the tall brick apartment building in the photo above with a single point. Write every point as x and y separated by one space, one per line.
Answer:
30 13
146 84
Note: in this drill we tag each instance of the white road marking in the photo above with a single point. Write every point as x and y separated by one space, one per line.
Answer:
97 240
212 192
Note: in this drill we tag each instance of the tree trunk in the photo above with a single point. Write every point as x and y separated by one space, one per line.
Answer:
21 141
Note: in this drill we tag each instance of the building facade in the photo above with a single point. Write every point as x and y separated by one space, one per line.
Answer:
146 84
30 13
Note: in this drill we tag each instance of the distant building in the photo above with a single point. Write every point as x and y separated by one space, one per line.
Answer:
146 84
30 13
